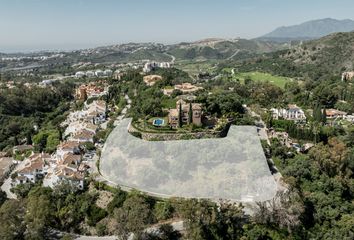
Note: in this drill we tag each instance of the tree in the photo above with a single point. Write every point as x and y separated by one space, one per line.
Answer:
132 217
38 216
11 218
317 113
2 197
190 114
324 116
206 220
284 210
47 140
22 190
180 112
269 119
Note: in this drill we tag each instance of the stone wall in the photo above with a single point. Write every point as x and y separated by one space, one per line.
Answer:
151 136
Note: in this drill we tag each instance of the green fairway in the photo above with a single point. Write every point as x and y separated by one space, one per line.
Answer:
263 77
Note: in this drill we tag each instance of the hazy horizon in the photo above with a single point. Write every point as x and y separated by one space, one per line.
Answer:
35 25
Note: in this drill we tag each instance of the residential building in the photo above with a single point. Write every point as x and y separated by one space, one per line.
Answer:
107 72
150 80
174 114
67 147
150 66
334 113
99 73
118 75
90 74
187 88
80 74
90 90
83 136
292 112
36 167
96 112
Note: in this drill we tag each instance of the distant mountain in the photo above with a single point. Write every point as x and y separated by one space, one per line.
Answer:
309 30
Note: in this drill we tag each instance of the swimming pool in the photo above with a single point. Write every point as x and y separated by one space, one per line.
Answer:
158 122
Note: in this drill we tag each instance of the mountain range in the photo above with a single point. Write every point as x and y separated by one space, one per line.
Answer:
309 30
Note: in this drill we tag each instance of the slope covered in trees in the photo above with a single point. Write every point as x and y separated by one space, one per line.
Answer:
317 59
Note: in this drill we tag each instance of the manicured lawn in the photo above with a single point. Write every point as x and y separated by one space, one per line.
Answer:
195 67
263 77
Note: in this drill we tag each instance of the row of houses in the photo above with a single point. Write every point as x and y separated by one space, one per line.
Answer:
150 66
96 73
295 113
66 163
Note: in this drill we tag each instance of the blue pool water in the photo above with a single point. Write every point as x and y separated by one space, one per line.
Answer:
158 122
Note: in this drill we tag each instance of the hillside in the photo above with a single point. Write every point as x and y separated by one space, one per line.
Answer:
325 57
310 30
221 49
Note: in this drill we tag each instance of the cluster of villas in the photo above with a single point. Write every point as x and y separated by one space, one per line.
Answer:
185 88
91 90
66 163
94 73
295 113
150 66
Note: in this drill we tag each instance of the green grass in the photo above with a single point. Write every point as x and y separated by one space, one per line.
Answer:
168 103
263 77
195 67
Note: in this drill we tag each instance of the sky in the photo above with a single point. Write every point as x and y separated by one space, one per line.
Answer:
74 24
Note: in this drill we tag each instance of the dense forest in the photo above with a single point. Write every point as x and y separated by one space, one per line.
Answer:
25 109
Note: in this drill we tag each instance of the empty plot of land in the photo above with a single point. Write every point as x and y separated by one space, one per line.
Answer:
233 168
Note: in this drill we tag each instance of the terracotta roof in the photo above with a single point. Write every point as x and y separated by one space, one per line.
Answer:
69 145
70 158
196 106
84 134
69 173
33 166
90 126
332 112
23 147
173 112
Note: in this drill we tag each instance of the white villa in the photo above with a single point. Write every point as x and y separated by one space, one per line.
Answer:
292 112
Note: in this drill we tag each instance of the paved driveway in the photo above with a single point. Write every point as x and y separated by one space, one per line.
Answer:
7 183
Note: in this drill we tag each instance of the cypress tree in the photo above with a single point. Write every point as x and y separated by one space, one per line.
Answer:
324 116
317 113
180 123
190 114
